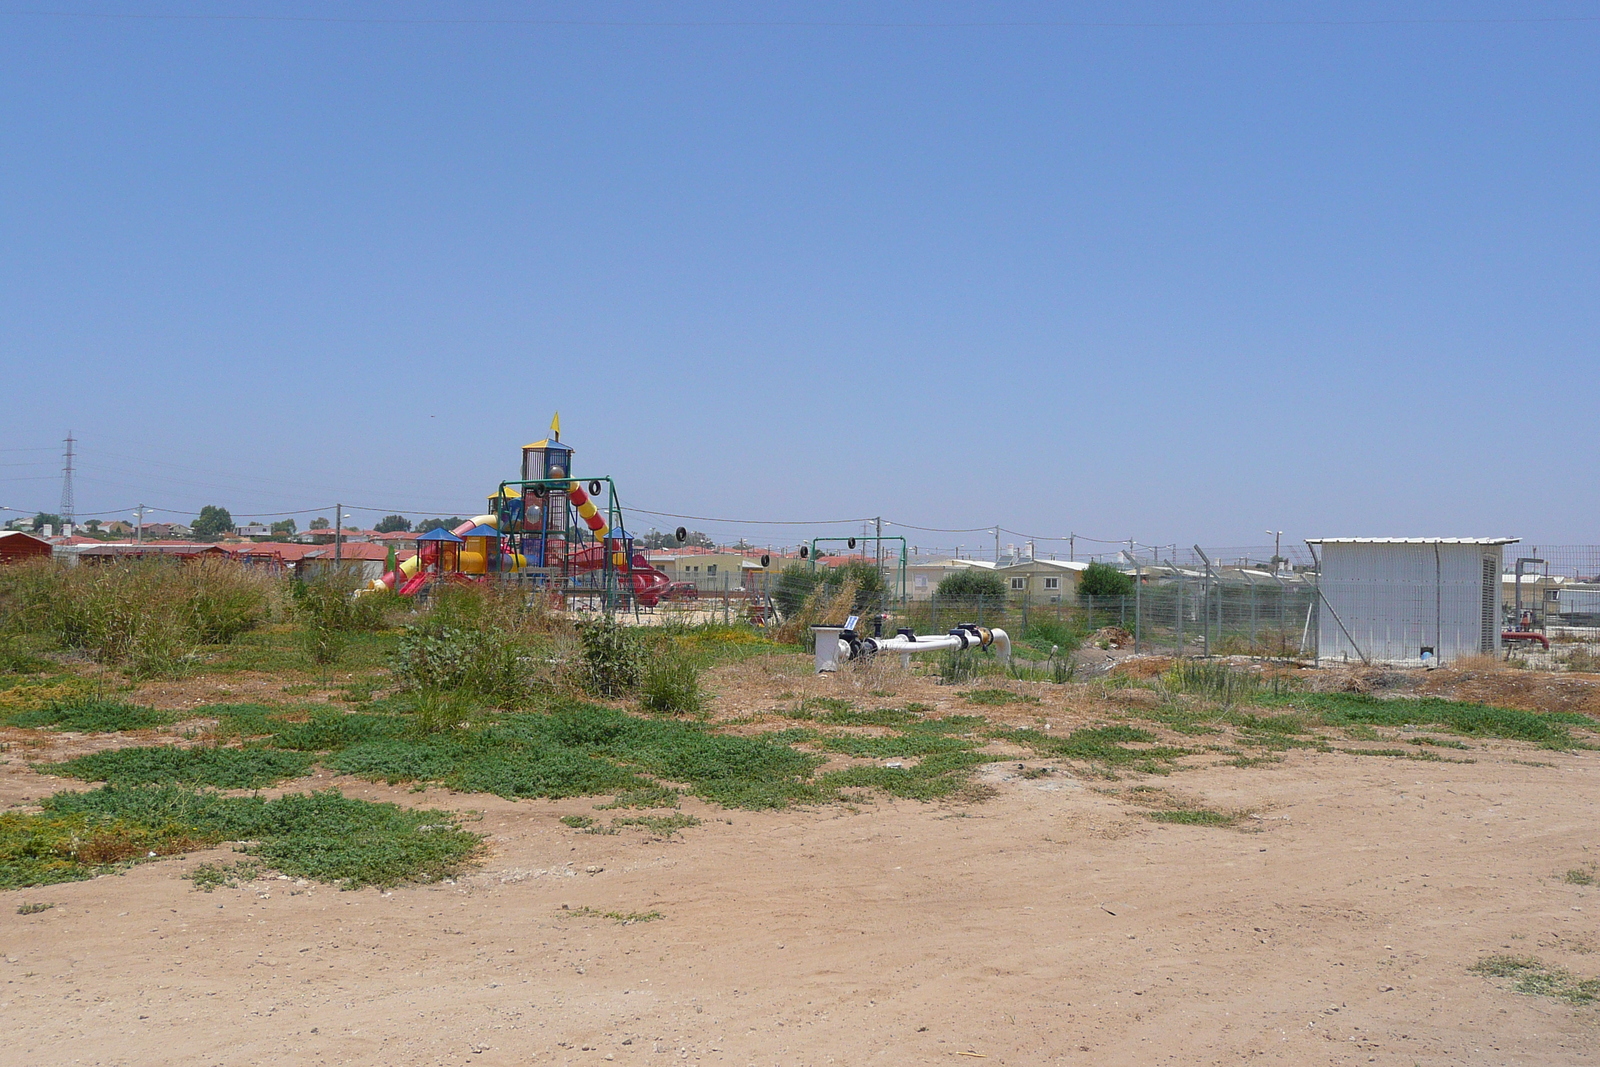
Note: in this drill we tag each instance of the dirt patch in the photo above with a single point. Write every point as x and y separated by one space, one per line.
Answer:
1052 923
244 687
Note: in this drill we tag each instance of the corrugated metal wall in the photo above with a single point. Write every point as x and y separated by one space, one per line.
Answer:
1390 601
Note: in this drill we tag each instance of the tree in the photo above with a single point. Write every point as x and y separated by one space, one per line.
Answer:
429 525
1102 579
798 581
393 524
319 523
43 519
972 583
212 523
656 539
286 528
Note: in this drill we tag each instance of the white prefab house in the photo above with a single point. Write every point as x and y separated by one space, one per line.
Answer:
1399 599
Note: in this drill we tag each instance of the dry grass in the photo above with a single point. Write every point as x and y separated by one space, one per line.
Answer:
824 607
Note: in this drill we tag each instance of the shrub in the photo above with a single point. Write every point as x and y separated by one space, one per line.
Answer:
971 583
671 686
612 658
487 664
1102 579
328 608
795 583
798 582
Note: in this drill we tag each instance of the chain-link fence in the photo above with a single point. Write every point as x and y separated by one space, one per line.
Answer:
1181 616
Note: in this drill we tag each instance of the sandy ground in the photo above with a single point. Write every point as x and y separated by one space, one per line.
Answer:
1053 923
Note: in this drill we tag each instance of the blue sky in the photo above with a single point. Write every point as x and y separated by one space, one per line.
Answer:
1332 268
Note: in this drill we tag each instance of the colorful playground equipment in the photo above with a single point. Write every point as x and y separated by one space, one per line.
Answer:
529 535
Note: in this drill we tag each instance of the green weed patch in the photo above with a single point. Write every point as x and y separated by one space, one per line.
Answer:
1533 978
583 750
934 778
621 918
221 768
331 729
209 877
323 836
92 715
1194 817
998 697
664 825
1106 745
1547 729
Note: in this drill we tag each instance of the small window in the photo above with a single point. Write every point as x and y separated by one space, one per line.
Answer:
1052 583
1019 583
711 569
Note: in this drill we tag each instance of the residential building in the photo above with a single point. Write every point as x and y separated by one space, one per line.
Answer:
1047 581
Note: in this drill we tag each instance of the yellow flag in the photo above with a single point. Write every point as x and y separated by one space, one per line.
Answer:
555 427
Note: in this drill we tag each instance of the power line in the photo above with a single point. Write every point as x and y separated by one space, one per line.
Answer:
749 522
941 529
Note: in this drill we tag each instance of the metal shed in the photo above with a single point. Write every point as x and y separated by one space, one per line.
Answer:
1399 599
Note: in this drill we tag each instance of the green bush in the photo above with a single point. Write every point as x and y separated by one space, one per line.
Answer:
971 583
671 686
795 583
1102 579
612 658
798 581
484 664
334 604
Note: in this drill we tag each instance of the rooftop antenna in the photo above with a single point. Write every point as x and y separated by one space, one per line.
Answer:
67 504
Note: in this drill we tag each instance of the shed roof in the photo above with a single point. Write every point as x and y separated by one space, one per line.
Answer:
1412 540
1058 564
440 534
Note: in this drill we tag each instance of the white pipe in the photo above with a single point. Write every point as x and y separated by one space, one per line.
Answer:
833 649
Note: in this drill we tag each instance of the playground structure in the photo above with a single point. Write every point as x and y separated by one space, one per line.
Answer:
838 644
546 530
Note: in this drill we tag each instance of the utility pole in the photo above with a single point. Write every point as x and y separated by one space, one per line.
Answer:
1072 547
68 506
338 534
139 529
1277 550
997 546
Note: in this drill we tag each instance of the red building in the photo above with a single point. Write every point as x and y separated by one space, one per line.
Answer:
16 545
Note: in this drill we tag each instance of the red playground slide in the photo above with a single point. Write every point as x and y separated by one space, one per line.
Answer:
648 583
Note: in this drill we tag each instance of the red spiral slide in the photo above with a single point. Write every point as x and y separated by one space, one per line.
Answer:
648 583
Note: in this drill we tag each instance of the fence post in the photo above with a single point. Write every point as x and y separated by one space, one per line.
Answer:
1182 581
1138 605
